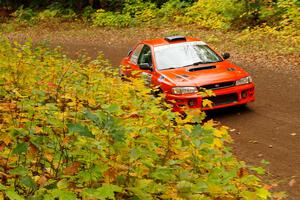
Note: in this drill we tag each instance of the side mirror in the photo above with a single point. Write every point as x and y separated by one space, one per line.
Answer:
145 66
225 55
129 52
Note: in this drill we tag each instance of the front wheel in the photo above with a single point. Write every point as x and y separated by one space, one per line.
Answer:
243 106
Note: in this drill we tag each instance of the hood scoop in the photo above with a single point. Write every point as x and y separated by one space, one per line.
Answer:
181 76
201 68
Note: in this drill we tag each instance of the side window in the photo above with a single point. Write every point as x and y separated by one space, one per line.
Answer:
145 56
136 53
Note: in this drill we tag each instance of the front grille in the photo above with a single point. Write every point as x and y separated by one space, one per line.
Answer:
223 99
218 85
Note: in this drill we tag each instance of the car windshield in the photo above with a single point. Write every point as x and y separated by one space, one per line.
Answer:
184 54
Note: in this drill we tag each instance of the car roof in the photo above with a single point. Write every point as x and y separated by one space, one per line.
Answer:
164 41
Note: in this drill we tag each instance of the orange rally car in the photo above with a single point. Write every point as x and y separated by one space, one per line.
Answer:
183 66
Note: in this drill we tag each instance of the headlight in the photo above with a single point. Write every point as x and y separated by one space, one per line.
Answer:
243 81
184 90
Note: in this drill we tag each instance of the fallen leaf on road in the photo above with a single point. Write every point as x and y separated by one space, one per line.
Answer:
268 187
275 185
292 182
253 141
279 195
264 162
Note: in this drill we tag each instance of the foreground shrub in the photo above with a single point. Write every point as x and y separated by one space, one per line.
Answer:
72 129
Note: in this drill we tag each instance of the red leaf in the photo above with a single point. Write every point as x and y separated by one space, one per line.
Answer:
71 170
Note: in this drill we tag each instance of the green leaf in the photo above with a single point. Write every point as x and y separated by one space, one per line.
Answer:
2 187
28 182
63 194
264 162
117 135
247 195
82 130
20 148
113 108
258 170
12 195
207 103
62 184
184 186
200 187
19 171
249 180
107 191
91 116
140 194
136 153
263 193
164 174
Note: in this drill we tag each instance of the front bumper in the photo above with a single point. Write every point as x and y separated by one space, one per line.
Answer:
231 96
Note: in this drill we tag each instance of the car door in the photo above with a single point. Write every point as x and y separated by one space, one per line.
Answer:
145 57
131 62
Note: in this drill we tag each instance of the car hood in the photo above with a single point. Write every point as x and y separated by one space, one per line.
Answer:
203 74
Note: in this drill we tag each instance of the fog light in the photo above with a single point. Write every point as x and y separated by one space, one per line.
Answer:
192 102
244 94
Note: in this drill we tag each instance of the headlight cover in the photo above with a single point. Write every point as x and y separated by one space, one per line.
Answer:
184 90
244 80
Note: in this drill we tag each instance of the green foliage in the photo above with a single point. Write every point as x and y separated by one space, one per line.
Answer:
73 129
142 12
103 18
290 23
280 17
274 14
171 10
288 36
26 14
218 14
134 13
57 10
87 13
53 12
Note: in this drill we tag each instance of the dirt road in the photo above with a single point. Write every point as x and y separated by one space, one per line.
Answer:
267 129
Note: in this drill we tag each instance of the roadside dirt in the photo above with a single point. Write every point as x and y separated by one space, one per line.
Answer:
267 129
